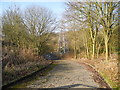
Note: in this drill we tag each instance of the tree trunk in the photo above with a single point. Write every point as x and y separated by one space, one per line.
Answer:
75 44
106 48
75 51
93 49
98 50
87 51
75 55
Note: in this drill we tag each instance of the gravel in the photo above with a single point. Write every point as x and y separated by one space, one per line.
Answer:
67 74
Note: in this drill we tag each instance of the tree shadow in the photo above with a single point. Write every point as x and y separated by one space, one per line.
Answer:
63 67
75 85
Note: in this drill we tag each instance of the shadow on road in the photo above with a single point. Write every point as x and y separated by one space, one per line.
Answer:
75 85
62 66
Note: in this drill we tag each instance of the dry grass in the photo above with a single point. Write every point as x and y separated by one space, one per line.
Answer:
108 69
19 63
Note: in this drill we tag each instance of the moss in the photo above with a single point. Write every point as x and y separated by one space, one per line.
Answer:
33 78
110 82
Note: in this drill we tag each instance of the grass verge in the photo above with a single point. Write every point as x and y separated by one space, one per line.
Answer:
104 69
110 82
29 81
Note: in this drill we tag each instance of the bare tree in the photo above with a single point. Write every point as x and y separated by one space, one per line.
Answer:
107 17
96 16
13 28
41 23
82 12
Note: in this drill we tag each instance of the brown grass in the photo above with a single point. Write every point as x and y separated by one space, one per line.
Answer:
20 62
109 68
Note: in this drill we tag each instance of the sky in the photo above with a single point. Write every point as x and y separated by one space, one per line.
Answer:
57 8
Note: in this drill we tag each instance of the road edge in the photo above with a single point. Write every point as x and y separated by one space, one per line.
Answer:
97 72
4 87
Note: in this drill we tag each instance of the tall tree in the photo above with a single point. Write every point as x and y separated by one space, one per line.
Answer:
107 16
40 23
82 12
13 28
